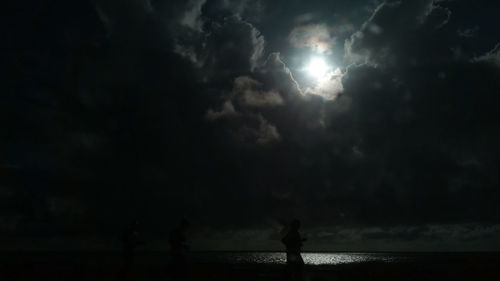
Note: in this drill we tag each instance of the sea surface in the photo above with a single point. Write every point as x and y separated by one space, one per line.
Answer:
249 266
310 258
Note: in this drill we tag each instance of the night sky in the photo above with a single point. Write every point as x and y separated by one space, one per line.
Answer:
376 123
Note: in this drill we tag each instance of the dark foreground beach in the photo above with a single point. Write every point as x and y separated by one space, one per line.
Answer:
470 266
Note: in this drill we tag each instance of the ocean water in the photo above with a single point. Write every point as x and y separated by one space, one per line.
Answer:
151 266
270 258
309 258
214 257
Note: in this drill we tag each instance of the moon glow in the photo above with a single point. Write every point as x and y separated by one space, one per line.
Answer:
317 68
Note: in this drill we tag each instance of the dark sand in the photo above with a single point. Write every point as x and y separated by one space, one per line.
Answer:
477 267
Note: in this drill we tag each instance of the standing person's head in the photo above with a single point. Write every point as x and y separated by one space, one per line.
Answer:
295 224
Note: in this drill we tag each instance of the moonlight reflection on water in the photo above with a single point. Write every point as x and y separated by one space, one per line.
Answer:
309 258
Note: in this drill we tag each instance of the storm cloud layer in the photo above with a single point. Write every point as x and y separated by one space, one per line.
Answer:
156 110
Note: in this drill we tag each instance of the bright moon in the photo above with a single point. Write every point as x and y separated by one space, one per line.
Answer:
317 68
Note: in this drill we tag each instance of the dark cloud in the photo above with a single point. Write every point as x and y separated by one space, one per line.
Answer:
412 136
247 91
398 33
162 109
492 56
232 46
468 32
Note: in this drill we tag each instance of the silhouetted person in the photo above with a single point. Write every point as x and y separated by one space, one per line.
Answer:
293 243
130 242
178 249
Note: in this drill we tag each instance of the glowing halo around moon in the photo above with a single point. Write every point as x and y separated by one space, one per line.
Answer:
317 68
